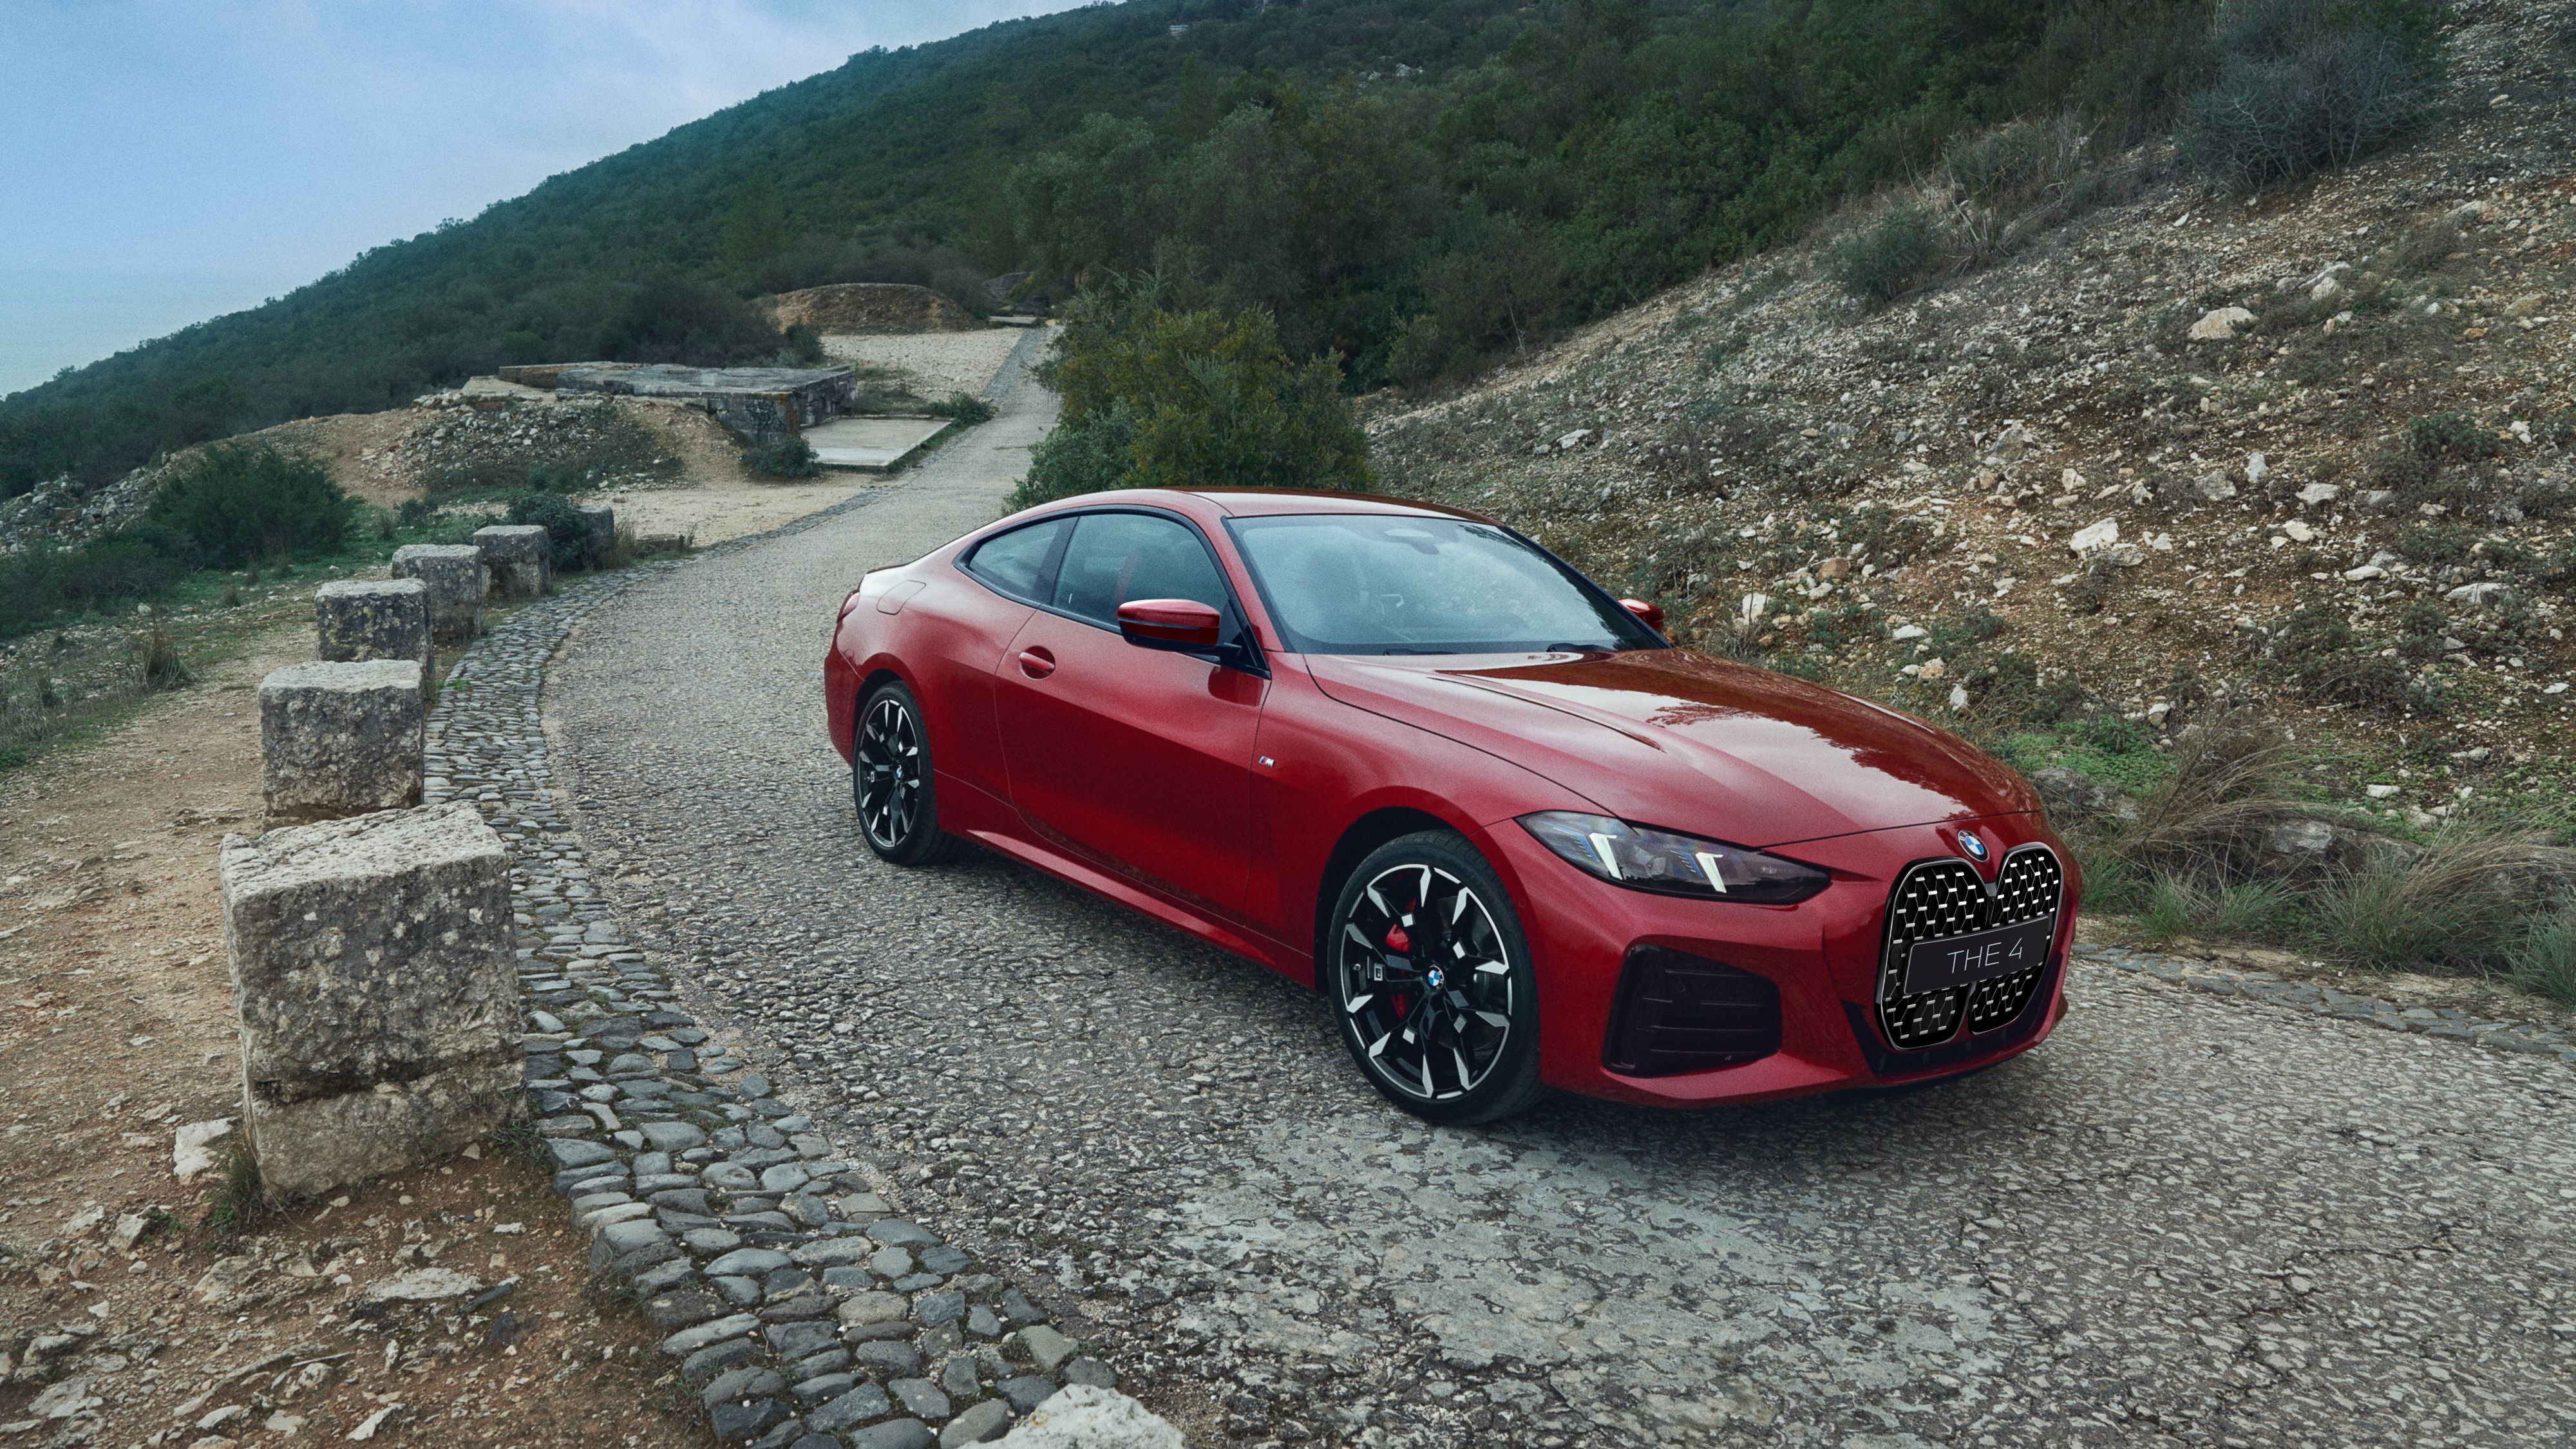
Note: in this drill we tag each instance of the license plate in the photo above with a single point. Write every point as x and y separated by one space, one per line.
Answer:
1962 960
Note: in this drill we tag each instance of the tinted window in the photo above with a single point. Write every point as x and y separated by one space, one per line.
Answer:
1116 557
1344 583
1015 562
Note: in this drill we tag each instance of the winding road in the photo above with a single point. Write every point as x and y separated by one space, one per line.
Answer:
2184 1220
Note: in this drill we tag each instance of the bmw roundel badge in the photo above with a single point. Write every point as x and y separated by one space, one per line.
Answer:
1974 844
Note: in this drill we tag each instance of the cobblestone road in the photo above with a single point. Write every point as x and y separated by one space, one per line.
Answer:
2184 1220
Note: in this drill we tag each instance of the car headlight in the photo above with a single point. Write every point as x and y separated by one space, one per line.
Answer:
1676 865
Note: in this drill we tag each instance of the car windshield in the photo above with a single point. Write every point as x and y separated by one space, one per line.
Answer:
1356 583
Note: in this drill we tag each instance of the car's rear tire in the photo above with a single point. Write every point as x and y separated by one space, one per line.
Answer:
892 783
1427 970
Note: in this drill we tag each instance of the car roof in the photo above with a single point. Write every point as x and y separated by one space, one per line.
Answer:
1268 502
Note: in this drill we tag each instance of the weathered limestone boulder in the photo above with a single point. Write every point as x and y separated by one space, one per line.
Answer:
457 580
379 1009
520 556
361 619
341 739
598 530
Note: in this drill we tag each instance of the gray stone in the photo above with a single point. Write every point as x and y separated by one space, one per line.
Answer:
457 580
372 979
896 1232
672 1136
831 1252
894 1434
626 1237
933 1309
598 530
749 1260
715 1358
865 1308
736 1422
690 1340
978 1424
740 1292
743 1383
944 1260
711 1240
362 619
340 739
824 1387
1091 1371
890 1262
1085 1417
520 556
731 1177
576 1153
1046 1347
1026 1392
850 1410
785 1177
801 1339
959 1378
888 1356
921 1397
981 1322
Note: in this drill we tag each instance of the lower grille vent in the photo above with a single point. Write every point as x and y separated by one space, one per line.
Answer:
1678 1012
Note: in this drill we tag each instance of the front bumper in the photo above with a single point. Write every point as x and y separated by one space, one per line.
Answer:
1822 955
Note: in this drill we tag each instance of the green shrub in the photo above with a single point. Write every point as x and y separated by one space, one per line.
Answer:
2545 959
2451 435
2305 86
790 457
564 526
240 501
965 407
1072 460
1203 399
1891 256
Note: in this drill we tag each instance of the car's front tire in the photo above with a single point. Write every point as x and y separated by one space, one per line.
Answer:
1428 971
892 782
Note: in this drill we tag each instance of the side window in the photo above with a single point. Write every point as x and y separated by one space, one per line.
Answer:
1015 563
1116 557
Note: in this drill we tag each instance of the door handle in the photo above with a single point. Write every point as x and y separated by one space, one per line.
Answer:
1036 663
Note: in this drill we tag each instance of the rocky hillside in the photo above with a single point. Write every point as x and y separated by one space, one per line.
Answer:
2315 450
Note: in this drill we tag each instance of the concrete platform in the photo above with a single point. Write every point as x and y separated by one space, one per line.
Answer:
872 445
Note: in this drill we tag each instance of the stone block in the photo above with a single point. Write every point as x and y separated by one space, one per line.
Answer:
362 619
598 529
340 739
372 973
457 580
520 556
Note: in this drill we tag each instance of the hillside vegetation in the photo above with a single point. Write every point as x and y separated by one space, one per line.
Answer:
2258 512
1412 183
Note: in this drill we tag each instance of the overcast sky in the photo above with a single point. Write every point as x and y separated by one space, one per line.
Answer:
163 161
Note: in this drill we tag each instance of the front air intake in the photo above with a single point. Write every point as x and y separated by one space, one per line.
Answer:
1942 898
1677 1012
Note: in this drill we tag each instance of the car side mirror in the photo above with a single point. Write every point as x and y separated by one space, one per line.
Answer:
1181 625
1648 614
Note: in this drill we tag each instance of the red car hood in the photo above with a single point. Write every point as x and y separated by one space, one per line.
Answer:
1676 739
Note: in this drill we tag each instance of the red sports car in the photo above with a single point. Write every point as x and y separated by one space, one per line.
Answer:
1405 755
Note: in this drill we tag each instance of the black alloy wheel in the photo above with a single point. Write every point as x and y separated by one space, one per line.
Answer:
891 780
1429 974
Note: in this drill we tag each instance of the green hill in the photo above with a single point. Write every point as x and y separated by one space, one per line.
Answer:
1414 183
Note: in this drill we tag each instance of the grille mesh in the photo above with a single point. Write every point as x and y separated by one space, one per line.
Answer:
1942 898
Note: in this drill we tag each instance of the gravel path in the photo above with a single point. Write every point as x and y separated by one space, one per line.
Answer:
2186 1219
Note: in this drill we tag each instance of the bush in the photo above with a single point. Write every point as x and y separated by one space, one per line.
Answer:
240 501
1197 399
2305 86
1891 256
1073 460
965 407
2451 435
564 526
2545 959
790 457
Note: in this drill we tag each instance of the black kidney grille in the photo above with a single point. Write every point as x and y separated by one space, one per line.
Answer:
1941 898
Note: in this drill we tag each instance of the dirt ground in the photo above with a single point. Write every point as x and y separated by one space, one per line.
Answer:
117 1027
933 364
